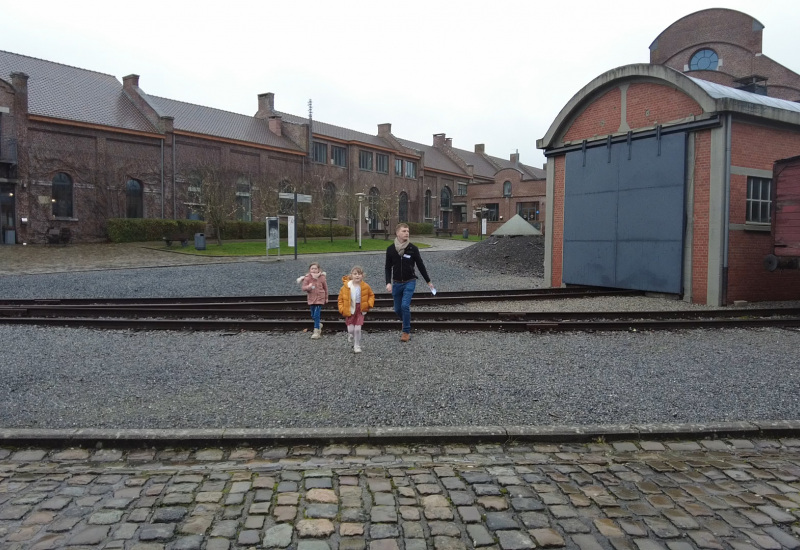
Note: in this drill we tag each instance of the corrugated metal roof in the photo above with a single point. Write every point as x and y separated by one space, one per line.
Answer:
70 93
718 91
216 122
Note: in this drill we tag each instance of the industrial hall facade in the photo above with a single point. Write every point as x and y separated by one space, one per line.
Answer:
660 175
78 148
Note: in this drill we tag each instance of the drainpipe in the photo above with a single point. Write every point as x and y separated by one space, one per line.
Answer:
727 214
162 179
174 182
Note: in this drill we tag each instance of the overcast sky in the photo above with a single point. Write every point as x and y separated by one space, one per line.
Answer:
493 72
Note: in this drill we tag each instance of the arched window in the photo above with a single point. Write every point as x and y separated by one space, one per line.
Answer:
506 188
446 196
244 205
704 60
62 196
329 201
374 208
428 203
134 199
402 209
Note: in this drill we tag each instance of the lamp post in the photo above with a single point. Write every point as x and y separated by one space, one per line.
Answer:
360 205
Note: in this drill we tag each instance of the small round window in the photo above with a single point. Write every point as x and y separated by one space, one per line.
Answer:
704 60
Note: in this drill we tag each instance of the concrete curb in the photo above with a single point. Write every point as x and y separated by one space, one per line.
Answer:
395 435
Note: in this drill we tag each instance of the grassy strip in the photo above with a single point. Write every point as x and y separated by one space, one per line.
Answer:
258 248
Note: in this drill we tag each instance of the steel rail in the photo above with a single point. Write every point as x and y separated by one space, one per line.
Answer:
441 297
331 314
380 325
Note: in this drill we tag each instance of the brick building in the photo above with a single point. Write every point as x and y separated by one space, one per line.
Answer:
661 181
724 46
78 147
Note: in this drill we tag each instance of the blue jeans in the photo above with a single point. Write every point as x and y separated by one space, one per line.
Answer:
402 293
316 310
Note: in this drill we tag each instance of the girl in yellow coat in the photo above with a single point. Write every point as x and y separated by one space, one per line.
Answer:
355 300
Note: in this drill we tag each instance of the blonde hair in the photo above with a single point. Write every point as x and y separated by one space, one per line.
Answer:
401 226
357 269
312 264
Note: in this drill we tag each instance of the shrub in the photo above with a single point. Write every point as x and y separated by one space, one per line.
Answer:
420 228
126 230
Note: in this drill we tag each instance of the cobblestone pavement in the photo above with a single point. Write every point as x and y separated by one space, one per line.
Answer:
716 493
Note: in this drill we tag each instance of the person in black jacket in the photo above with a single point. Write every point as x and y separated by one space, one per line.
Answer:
401 280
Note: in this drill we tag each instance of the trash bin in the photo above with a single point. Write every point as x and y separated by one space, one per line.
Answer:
466 233
199 241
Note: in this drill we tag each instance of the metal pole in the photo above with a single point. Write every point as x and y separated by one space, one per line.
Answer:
360 203
295 225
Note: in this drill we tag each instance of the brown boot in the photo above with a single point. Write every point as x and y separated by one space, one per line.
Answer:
405 337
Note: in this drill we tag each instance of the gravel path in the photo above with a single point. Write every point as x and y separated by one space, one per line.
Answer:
65 378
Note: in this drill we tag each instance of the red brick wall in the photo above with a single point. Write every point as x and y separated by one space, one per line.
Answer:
702 190
651 104
757 147
557 266
599 118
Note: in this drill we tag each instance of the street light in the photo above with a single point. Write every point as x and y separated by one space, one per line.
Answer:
360 205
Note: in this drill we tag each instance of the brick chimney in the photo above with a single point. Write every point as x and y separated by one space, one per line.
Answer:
129 82
449 142
439 140
515 158
480 148
275 125
384 129
20 83
266 105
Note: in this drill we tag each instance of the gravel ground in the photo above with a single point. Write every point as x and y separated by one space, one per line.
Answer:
65 378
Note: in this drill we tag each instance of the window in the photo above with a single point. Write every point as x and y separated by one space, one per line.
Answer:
461 190
445 200
134 201
382 163
459 214
428 203
704 60
492 211
194 198
329 201
506 188
411 169
365 160
339 155
398 167
402 210
62 196
320 152
528 211
244 211
374 208
759 200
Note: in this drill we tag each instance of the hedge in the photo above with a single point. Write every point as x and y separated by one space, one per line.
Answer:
420 229
126 230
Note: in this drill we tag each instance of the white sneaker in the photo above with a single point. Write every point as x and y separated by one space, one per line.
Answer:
357 349
349 338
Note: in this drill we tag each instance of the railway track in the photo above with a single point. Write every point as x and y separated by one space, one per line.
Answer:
290 313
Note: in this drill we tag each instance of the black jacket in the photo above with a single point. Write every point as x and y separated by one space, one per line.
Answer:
401 269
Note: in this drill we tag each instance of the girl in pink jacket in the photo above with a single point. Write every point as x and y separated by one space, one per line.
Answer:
315 285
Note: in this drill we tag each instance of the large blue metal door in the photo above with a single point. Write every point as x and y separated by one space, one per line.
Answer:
624 215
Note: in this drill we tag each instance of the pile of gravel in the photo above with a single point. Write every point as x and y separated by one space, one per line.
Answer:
505 255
